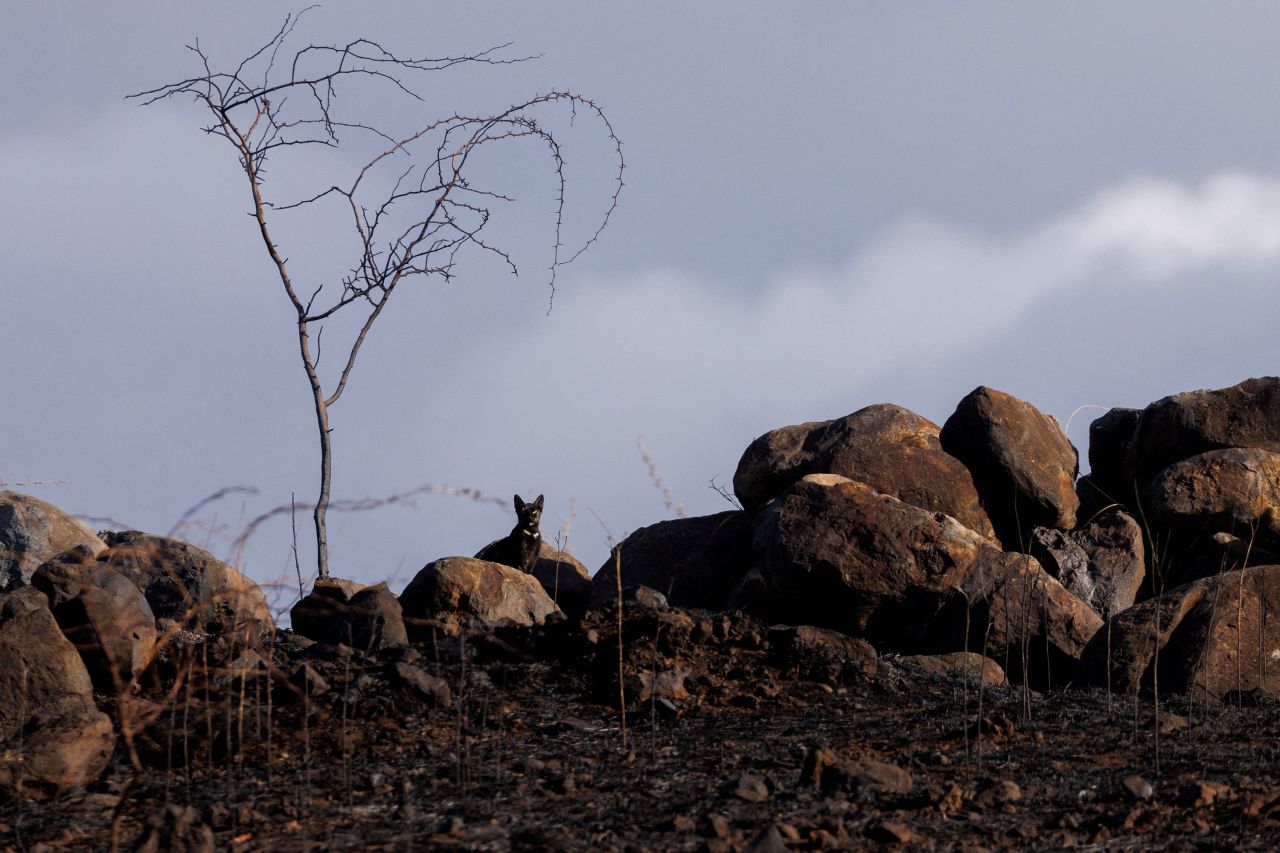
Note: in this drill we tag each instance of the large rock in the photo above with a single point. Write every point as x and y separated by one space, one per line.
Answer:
51 734
838 554
563 578
103 614
1103 563
188 584
491 592
694 562
1022 464
1211 636
1110 437
1195 422
33 531
340 611
1232 491
891 449
1117 559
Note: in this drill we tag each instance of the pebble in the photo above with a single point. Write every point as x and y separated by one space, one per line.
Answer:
1138 788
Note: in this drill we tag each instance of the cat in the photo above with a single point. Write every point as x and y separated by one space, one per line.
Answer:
519 548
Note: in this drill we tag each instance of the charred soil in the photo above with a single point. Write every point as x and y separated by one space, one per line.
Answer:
736 737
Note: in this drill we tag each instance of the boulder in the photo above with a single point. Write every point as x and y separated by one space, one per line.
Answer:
52 734
1194 422
1234 491
969 666
1102 564
188 584
565 579
491 592
891 449
1206 638
694 562
1112 540
102 613
1022 464
838 554
33 531
1109 439
341 611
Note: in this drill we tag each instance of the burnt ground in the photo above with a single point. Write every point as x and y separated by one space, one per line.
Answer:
526 752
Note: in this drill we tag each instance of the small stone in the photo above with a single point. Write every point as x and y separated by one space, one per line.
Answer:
1196 795
751 788
682 823
891 832
308 681
1138 788
768 840
1008 791
718 826
427 687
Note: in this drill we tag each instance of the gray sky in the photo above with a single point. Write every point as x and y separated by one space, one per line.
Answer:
827 206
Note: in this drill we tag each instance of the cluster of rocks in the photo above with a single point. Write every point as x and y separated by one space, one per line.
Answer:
979 535
969 548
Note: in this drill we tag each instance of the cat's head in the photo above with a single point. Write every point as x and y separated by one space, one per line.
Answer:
529 514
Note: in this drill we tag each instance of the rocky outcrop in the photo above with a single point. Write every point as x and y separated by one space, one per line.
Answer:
52 735
487 591
33 531
891 449
1022 464
188 584
1206 638
838 554
1184 425
103 614
340 611
694 562
563 578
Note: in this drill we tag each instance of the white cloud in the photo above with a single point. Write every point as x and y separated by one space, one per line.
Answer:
1162 227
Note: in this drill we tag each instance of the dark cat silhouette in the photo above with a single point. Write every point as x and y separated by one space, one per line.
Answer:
519 548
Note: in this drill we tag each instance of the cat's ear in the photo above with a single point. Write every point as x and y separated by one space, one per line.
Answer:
537 502
519 504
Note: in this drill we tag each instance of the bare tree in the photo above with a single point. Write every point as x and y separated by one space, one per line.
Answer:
409 225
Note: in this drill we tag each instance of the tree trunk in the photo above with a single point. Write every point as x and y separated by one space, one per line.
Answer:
326 476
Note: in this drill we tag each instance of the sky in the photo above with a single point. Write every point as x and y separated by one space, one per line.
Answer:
827 205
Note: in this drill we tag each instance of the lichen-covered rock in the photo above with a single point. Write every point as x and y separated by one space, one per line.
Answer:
891 449
33 531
